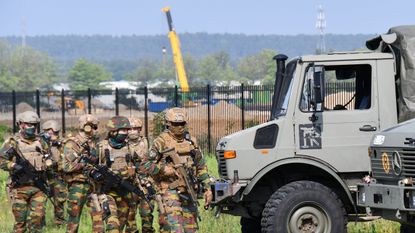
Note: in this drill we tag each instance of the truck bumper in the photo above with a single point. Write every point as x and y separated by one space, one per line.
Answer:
224 191
392 202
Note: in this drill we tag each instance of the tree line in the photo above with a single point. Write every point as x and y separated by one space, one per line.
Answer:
85 61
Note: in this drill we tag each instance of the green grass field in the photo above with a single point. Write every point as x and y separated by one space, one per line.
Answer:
225 223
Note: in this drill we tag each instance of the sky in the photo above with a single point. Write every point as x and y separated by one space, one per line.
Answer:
144 17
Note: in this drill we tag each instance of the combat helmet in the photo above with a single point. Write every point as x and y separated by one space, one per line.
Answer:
176 115
118 122
86 120
28 117
51 124
135 122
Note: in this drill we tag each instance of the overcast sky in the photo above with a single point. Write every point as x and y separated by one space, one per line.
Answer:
144 17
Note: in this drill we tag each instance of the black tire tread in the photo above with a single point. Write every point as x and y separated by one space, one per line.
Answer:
276 198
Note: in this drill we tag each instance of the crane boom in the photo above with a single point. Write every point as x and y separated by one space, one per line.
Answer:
177 54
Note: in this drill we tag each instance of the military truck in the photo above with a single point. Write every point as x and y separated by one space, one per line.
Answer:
389 191
299 171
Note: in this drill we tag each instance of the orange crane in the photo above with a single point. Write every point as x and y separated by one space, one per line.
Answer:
177 54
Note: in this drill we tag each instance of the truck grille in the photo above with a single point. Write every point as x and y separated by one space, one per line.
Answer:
382 171
223 172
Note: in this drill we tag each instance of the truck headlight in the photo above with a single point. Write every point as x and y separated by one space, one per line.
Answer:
362 195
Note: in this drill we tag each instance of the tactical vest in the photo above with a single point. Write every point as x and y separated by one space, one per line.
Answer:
32 155
139 147
118 160
183 148
56 153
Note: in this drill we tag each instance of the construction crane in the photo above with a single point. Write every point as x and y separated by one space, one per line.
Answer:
177 54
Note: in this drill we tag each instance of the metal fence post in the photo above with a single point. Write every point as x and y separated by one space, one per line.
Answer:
117 110
63 106
14 111
38 107
146 111
176 96
209 123
89 101
243 106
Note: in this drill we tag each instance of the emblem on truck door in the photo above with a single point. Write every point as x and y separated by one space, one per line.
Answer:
385 163
310 136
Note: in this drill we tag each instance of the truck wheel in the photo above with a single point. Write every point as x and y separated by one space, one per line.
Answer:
304 207
405 228
250 225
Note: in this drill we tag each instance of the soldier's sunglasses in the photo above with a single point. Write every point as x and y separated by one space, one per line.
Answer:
95 127
178 123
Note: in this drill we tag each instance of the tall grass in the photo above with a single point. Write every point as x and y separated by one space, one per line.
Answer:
223 224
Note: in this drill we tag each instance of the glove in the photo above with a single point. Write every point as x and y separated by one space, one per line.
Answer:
17 168
96 175
208 197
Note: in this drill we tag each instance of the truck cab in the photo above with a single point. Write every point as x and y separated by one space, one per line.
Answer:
313 150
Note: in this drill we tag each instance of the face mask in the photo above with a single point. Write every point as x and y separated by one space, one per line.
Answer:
133 136
178 131
120 137
46 137
29 132
114 144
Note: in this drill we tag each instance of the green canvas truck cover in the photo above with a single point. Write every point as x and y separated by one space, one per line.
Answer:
401 40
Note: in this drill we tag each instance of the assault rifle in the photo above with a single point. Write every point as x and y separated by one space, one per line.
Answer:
185 176
27 170
111 180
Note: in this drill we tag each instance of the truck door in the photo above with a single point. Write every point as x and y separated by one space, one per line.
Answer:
338 130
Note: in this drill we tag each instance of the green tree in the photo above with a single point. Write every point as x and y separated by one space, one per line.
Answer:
23 69
258 67
85 75
215 68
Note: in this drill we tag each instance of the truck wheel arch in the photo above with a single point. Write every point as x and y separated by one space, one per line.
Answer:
301 161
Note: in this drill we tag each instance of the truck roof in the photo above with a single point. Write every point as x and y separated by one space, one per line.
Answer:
350 55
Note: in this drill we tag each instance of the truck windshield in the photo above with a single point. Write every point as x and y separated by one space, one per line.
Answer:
286 88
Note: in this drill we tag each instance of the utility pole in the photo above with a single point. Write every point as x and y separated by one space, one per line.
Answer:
320 26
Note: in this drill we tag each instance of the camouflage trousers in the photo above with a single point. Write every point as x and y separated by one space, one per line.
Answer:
60 194
146 216
120 207
78 193
179 216
28 208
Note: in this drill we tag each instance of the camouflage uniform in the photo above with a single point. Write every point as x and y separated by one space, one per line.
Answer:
139 148
114 153
28 201
50 134
79 187
176 213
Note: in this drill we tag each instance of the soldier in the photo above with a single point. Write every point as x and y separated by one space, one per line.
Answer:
139 148
51 136
28 197
79 187
114 153
173 154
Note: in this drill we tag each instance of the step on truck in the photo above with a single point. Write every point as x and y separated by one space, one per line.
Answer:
299 171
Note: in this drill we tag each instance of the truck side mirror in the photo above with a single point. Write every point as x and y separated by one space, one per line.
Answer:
318 88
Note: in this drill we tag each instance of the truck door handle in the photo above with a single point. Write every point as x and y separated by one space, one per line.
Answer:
367 128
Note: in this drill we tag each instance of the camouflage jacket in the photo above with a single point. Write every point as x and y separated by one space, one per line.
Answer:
72 150
189 152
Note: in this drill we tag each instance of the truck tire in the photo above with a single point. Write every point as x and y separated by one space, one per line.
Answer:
250 225
304 206
405 228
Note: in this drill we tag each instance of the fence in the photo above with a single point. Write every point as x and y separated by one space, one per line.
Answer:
213 111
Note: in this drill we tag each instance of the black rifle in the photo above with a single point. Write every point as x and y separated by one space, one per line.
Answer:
110 180
29 171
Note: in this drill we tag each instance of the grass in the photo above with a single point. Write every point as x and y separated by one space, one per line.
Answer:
225 223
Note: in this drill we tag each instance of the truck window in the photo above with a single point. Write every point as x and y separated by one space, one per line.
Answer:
346 87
